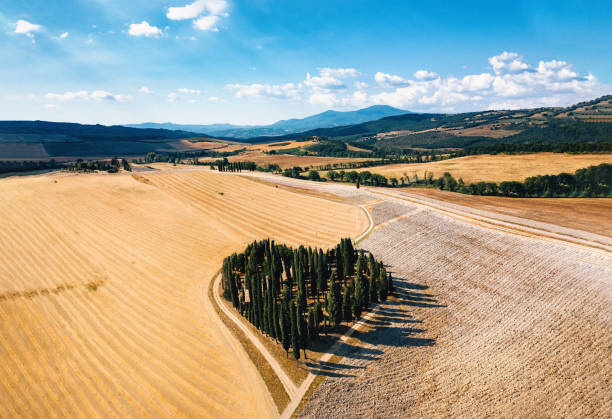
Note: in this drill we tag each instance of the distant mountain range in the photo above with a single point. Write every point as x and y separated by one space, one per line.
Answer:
328 119
584 122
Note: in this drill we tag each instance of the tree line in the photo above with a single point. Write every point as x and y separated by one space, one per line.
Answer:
537 147
110 166
591 182
19 166
293 295
238 166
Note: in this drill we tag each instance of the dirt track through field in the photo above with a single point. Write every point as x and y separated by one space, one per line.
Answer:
103 309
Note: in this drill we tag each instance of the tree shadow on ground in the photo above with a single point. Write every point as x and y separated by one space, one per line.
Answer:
329 368
392 325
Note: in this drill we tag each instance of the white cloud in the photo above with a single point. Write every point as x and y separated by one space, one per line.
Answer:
26 28
86 95
425 75
508 62
323 82
390 80
278 91
145 90
195 9
64 35
49 106
510 83
144 29
207 23
189 11
67 96
216 7
338 72
189 91
213 99
103 95
357 99
475 82
172 97
323 99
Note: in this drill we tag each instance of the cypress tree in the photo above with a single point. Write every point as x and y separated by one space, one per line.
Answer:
382 285
360 300
390 283
334 303
285 319
310 325
373 288
295 344
347 303
339 265
301 330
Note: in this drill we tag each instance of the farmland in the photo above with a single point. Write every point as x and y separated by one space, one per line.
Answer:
104 279
485 323
286 160
496 168
103 284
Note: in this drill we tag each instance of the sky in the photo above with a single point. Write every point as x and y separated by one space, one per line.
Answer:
259 61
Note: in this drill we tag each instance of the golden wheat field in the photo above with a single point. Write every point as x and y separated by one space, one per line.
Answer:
496 168
286 160
103 279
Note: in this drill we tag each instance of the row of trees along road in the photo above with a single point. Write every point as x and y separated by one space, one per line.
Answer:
292 295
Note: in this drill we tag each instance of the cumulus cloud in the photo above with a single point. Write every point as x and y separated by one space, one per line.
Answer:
207 23
513 83
189 91
145 90
508 62
144 29
510 83
205 13
390 80
339 72
26 28
172 97
425 75
64 35
323 82
193 10
213 99
278 91
86 95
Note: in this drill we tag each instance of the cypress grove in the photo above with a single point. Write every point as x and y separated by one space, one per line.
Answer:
279 289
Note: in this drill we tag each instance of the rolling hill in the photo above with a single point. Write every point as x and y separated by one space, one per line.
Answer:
326 119
583 122
41 139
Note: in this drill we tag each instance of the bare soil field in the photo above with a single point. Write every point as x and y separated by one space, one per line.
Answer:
484 323
496 168
103 279
587 214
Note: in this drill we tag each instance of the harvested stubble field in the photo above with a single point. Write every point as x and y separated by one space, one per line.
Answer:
586 214
496 168
103 279
286 160
484 324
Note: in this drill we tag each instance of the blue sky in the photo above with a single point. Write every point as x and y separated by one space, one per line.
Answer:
258 61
